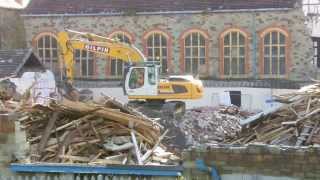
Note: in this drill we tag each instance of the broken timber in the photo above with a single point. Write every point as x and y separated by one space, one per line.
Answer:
91 133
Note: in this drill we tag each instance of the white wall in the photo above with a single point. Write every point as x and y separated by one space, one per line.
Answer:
252 98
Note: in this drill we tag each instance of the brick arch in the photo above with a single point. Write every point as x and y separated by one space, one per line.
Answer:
131 38
39 35
125 32
262 33
266 30
247 37
56 64
182 47
191 30
169 38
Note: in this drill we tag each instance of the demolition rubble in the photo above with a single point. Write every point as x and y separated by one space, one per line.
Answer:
211 125
94 134
110 132
295 123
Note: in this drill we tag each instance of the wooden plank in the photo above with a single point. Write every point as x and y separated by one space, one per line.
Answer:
270 138
46 133
136 148
149 153
115 148
302 118
308 106
72 123
312 133
75 158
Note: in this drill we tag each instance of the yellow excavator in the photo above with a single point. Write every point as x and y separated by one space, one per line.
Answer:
141 80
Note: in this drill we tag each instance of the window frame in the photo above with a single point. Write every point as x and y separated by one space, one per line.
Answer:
79 62
168 47
35 45
205 65
246 56
286 46
110 60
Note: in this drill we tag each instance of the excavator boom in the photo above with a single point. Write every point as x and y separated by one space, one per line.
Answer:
100 45
142 78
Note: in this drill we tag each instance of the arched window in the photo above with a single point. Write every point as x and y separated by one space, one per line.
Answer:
274 53
234 53
195 51
157 49
84 64
47 49
116 65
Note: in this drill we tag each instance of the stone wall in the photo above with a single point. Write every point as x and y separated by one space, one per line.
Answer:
7 142
12 143
258 161
212 24
12 34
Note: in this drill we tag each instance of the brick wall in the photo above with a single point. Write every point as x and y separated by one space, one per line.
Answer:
12 34
213 24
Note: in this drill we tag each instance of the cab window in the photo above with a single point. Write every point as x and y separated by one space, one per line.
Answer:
136 79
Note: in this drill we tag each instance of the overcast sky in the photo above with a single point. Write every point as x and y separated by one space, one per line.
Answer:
14 4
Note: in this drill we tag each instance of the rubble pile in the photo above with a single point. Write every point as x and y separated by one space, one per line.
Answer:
10 100
295 123
211 125
95 134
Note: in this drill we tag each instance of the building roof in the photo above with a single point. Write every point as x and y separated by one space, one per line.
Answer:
14 4
15 62
151 6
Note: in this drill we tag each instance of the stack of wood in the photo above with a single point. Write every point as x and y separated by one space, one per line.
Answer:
92 133
296 122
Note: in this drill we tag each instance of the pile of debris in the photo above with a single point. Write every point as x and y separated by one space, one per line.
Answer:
8 96
211 125
94 133
295 123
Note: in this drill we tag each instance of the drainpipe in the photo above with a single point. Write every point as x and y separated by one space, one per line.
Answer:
212 170
254 47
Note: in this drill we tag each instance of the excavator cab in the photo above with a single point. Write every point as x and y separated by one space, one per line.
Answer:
142 80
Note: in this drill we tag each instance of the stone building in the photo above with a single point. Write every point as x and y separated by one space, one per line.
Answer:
12 34
248 44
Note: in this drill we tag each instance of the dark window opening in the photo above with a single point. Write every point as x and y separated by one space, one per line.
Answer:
235 97
316 55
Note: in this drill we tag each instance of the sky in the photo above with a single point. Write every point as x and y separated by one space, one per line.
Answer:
14 4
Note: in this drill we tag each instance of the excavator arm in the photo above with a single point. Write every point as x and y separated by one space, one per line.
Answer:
142 81
99 45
